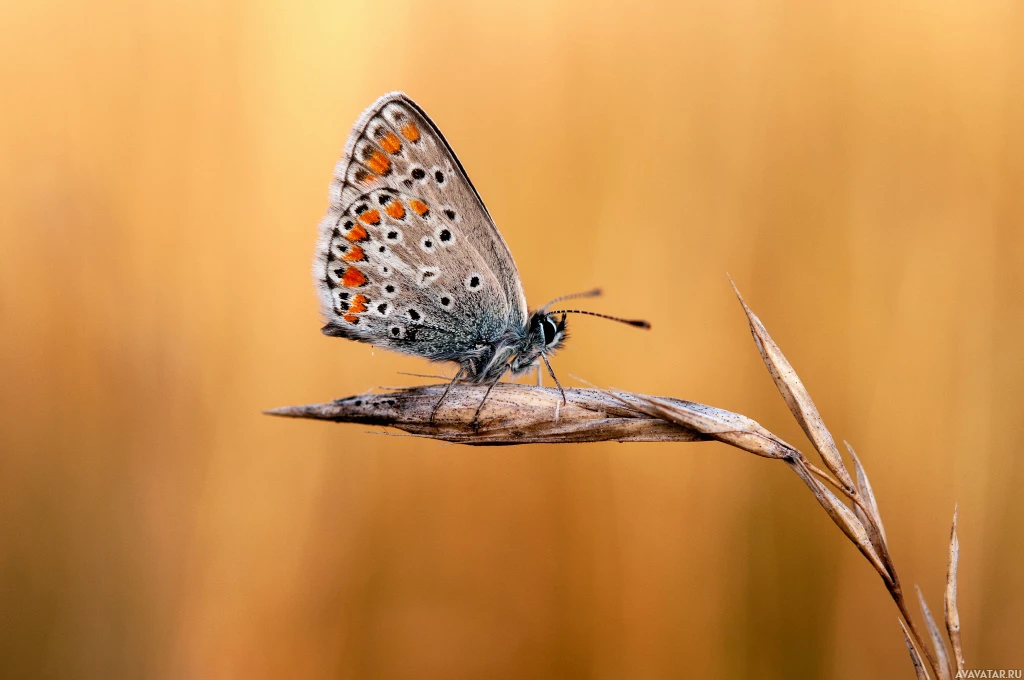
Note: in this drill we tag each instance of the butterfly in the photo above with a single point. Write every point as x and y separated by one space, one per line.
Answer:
409 258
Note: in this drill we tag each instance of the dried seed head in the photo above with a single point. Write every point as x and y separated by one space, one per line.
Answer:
725 426
842 516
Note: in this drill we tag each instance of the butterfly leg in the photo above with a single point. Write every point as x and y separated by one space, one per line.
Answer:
458 376
476 422
540 381
554 377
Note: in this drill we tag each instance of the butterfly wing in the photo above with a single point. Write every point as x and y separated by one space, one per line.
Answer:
408 256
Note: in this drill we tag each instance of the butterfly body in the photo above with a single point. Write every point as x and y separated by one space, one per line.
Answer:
409 258
483 359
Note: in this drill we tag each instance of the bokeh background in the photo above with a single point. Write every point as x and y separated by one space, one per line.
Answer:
856 167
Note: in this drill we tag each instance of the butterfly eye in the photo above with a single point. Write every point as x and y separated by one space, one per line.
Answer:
550 330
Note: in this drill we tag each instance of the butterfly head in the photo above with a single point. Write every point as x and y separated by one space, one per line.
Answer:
545 334
547 331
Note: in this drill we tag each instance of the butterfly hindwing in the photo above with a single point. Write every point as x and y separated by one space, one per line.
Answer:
408 256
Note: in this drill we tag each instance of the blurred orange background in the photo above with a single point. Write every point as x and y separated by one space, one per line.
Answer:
856 167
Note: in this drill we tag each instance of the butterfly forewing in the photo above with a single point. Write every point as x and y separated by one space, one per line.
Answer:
408 256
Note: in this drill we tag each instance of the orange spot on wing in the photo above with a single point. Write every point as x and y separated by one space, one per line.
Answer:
411 132
353 278
370 217
391 143
364 176
356 233
351 318
379 163
419 206
358 304
354 254
394 209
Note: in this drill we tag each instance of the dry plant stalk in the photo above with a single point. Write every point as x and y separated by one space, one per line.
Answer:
514 414
523 414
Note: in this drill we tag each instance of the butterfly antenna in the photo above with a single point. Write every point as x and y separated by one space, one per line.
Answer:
639 323
586 294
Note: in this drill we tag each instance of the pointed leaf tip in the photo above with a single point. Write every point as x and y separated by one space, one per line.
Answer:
873 523
942 657
915 658
949 601
797 398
